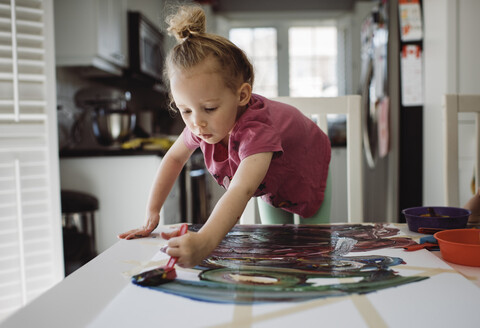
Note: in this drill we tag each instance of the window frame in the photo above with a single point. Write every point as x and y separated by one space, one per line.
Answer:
282 25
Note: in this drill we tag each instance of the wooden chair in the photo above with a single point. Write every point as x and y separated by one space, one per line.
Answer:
318 109
453 105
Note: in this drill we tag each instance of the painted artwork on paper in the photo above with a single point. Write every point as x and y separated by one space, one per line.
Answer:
277 263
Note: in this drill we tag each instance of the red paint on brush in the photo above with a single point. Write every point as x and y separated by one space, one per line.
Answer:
160 275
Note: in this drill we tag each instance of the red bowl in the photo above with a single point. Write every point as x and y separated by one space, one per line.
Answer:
460 246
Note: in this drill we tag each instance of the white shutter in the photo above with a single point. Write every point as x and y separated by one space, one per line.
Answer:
31 259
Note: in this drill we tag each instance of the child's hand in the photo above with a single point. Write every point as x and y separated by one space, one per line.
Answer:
152 223
190 249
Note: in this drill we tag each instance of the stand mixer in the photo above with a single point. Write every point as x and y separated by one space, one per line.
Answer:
112 121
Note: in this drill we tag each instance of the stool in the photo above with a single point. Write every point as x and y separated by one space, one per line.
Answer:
78 213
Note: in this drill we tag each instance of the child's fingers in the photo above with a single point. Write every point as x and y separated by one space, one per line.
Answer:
135 233
173 246
167 235
173 251
171 234
122 235
128 234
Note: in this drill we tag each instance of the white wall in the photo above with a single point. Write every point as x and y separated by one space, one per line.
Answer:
468 83
451 48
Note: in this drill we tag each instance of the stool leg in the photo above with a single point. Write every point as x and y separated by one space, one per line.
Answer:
91 221
88 229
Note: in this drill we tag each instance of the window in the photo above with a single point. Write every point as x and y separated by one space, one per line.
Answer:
308 66
313 61
260 45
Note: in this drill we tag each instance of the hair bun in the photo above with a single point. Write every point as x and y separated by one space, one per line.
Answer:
188 21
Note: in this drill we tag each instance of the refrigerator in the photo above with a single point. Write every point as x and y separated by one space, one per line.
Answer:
392 132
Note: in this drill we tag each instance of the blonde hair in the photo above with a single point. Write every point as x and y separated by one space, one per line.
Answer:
188 26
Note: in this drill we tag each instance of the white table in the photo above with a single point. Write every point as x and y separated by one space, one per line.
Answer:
91 295
471 273
81 296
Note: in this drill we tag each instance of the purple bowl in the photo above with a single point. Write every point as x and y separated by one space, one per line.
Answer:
449 217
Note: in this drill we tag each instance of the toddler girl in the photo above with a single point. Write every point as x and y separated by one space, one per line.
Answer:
252 146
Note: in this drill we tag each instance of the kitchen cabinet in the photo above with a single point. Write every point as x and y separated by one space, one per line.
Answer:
91 34
122 185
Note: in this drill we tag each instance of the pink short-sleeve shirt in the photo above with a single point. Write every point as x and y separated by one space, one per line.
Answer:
296 178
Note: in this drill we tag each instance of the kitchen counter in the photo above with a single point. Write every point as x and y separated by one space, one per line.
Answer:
108 151
157 146
100 294
121 183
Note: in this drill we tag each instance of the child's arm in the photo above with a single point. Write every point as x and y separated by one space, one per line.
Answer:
474 205
192 248
167 173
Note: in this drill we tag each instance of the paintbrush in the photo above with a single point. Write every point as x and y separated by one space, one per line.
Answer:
160 275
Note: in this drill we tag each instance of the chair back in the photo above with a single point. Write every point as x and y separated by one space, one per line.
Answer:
453 104
318 108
